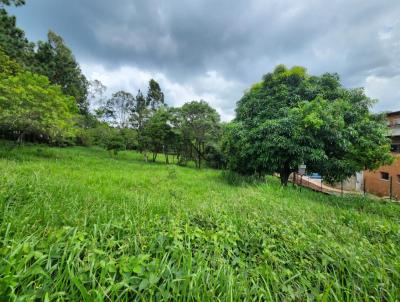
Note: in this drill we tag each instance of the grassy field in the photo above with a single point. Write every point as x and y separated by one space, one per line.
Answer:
79 225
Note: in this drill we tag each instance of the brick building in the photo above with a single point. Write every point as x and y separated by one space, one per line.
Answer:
386 179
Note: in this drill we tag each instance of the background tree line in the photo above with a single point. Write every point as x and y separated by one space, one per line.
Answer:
145 123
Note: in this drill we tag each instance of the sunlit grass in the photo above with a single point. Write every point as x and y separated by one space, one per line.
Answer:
78 224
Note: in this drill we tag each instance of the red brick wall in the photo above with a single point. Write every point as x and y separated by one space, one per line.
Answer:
374 183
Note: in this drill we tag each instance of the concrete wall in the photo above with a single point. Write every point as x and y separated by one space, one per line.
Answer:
354 183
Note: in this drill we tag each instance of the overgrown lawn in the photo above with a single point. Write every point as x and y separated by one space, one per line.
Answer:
77 224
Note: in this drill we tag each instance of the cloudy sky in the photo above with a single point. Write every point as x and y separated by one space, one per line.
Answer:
215 49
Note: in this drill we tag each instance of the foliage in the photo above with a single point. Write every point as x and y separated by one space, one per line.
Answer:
55 60
78 225
214 156
130 138
199 125
291 118
118 109
8 67
343 136
15 2
13 41
158 134
155 97
31 106
52 58
140 112
114 141
97 134
190 132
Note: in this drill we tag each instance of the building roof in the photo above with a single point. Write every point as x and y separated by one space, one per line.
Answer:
393 113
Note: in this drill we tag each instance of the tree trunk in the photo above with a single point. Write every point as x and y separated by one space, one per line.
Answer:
154 157
199 155
284 174
20 139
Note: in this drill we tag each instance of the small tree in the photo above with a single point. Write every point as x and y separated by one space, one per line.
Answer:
199 125
159 133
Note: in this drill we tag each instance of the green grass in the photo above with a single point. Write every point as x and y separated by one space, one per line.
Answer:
78 225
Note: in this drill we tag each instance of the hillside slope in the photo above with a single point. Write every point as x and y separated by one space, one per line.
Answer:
77 224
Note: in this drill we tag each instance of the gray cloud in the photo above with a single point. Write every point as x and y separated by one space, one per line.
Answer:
215 49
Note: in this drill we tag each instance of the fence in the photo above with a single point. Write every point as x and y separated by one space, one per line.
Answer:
385 189
317 185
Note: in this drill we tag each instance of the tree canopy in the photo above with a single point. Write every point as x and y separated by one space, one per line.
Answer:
291 118
155 97
119 108
31 106
55 60
199 126
13 41
51 58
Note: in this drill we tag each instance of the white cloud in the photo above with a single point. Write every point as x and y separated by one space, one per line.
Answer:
210 87
386 90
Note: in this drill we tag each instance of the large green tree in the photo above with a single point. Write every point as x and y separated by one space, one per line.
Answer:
291 118
55 60
31 106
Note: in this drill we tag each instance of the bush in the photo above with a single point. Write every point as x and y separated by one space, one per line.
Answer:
214 157
114 141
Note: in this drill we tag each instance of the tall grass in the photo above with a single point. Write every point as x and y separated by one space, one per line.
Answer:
79 225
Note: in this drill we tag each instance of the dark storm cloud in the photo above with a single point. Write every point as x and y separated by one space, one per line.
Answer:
231 44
